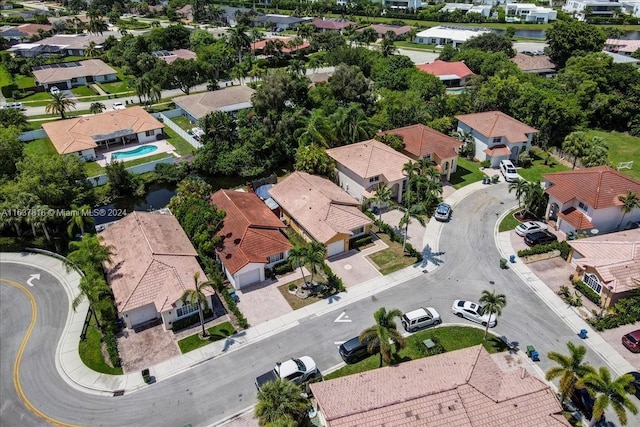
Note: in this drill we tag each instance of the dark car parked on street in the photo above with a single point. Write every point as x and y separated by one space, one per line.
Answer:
353 351
632 341
636 383
540 238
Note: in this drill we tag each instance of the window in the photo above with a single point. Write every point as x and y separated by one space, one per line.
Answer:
150 132
187 309
358 231
275 258
583 207
374 179
591 280
497 140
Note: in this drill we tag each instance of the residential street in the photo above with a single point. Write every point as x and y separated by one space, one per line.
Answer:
223 386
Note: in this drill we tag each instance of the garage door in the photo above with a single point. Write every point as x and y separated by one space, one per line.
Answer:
248 278
142 314
335 248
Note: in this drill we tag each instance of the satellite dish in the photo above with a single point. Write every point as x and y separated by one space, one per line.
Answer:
594 231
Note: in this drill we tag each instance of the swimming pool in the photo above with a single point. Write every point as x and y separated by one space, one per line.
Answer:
140 151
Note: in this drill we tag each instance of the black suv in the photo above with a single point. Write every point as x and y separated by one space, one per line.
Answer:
540 238
353 351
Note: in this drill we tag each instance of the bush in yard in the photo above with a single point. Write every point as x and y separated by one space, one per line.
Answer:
231 303
360 241
283 268
112 347
525 160
563 247
586 291
625 311
485 163
192 319
334 283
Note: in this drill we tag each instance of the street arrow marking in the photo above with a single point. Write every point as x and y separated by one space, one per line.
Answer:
343 318
338 343
32 278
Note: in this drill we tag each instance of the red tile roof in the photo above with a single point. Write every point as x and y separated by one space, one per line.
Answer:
467 387
332 24
497 150
495 123
259 45
250 230
598 187
576 218
443 68
422 141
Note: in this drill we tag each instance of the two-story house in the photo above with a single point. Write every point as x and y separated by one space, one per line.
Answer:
583 9
497 136
588 200
363 166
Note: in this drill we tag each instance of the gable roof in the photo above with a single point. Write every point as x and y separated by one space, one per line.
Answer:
251 232
320 207
598 187
231 98
466 387
62 72
495 123
533 63
420 141
446 70
81 133
153 261
371 158
615 256
332 24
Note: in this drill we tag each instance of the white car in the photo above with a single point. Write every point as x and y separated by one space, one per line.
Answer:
117 106
530 227
472 311
420 318
295 370
509 171
54 90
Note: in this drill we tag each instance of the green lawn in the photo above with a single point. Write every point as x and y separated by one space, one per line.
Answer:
90 351
40 148
94 169
83 91
182 147
450 338
622 148
5 77
466 173
416 46
24 82
393 258
37 99
534 172
509 222
216 333
183 122
120 85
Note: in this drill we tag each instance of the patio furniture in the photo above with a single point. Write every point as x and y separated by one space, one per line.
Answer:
583 333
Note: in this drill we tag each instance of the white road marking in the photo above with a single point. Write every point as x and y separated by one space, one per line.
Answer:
32 278
343 318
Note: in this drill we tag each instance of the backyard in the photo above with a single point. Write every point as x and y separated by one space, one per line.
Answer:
534 172
622 148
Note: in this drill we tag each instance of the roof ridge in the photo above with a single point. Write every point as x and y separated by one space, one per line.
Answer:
133 291
137 220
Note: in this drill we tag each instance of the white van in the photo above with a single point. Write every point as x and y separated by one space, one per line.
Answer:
509 171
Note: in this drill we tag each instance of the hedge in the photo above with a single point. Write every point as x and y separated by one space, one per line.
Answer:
283 268
191 319
395 237
586 291
563 247
360 241
627 310
112 347
231 303
334 282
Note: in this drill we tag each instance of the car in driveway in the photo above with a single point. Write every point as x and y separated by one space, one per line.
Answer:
353 351
472 311
295 370
530 227
509 171
54 90
443 212
632 341
420 318
540 238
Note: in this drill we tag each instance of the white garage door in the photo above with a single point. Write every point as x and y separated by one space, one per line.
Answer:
249 277
335 248
142 314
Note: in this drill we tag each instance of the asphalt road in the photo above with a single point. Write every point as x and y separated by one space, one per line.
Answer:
223 386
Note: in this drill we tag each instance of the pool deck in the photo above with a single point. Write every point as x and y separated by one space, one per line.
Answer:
104 158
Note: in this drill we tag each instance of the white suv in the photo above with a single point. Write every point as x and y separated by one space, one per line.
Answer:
509 171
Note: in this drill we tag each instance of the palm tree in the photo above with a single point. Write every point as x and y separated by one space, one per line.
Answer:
318 130
571 368
576 145
296 68
94 288
608 392
91 50
492 303
97 108
314 257
88 253
60 104
412 212
352 124
535 199
519 186
296 257
382 197
410 168
316 61
281 402
79 219
630 201
383 333
239 39
197 297
97 25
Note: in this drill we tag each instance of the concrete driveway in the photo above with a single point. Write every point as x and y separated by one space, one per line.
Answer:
263 301
415 234
353 267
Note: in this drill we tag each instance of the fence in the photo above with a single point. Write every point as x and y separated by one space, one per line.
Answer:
137 169
568 157
32 135
165 116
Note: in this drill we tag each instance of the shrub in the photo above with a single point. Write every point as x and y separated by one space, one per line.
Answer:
360 241
485 163
190 320
231 303
334 282
293 286
563 247
112 347
283 268
586 291
525 160
626 311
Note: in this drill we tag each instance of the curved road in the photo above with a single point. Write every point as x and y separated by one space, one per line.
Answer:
224 386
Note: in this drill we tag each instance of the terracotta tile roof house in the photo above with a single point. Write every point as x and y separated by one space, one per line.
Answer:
584 199
421 142
229 99
153 263
171 56
452 74
537 64
80 136
253 237
72 74
258 47
462 388
624 47
609 264
382 29
320 210
328 24
497 136
365 165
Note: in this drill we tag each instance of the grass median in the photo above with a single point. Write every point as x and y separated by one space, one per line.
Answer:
90 351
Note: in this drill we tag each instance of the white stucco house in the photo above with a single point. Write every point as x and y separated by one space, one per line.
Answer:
443 35
586 200
529 12
582 9
253 238
497 136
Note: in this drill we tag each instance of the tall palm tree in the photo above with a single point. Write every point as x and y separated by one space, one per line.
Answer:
79 219
296 257
95 289
410 168
316 61
196 296
576 145
281 402
519 186
314 257
383 333
352 124
91 50
608 392
382 198
239 39
571 368
97 108
97 25
318 130
88 253
60 104
414 211
630 201
535 199
492 303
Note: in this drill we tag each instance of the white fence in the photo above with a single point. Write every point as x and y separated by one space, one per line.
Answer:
166 119
137 169
32 135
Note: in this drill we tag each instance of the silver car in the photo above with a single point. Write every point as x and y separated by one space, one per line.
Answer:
443 212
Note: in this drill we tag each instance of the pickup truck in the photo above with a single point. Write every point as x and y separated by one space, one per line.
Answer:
294 370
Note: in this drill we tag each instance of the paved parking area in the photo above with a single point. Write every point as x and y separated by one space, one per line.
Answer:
147 348
614 337
263 301
415 234
354 267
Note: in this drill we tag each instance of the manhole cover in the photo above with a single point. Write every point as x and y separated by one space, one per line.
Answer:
347 266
